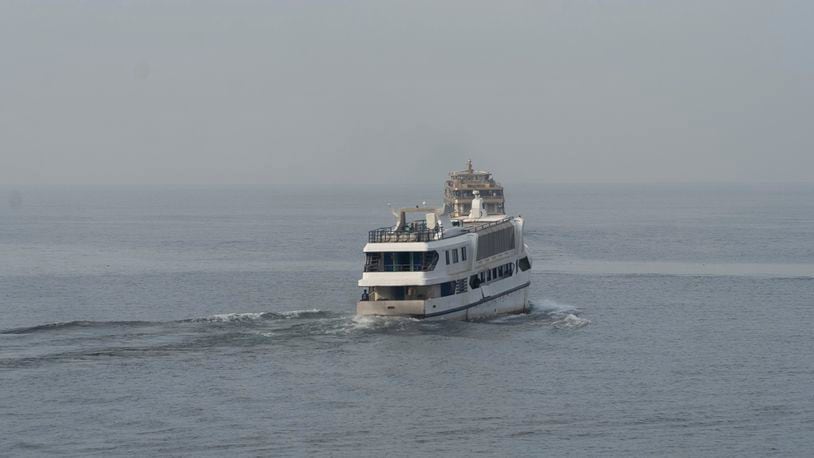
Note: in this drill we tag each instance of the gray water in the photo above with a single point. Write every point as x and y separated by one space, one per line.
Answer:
667 320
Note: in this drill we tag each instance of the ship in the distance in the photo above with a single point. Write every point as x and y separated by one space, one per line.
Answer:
460 190
468 262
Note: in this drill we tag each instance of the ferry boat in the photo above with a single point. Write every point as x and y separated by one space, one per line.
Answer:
461 186
437 264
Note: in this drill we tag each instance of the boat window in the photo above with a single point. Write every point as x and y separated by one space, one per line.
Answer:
415 262
409 293
524 264
418 293
387 293
403 261
489 275
463 253
447 288
447 255
496 242
494 272
474 281
455 256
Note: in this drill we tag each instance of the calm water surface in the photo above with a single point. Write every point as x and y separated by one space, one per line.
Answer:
668 320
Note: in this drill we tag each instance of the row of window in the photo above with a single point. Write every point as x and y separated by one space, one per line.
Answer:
499 272
449 288
455 255
418 261
490 275
405 261
400 293
483 193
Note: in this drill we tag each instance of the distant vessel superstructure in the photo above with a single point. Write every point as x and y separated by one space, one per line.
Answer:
466 267
459 190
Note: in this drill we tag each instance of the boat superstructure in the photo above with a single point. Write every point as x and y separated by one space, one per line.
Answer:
469 267
459 190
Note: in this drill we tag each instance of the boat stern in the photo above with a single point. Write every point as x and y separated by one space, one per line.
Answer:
413 308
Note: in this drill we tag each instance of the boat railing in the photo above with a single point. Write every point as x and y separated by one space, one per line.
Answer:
409 234
398 267
480 227
388 234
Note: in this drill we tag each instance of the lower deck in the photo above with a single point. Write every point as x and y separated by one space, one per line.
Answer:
510 296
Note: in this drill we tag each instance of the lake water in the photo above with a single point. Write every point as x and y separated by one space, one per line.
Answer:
667 320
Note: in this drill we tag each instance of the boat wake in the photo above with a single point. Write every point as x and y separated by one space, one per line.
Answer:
253 316
70 325
218 318
561 316
74 341
547 312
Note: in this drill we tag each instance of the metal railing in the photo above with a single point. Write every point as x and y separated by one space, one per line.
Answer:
374 267
483 226
389 235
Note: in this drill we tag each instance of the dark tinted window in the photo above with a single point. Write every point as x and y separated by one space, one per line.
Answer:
474 281
448 288
495 242
405 261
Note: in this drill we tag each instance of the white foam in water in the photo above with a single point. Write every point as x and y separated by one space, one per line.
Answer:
570 321
252 316
227 317
299 313
507 318
564 316
550 307
365 322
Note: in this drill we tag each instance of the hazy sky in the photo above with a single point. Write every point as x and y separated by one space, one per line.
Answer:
379 91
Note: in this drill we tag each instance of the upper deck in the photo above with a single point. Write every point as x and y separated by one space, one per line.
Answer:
419 231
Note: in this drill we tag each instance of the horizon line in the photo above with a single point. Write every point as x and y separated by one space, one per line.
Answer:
404 184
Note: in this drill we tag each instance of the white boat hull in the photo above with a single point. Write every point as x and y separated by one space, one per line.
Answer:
478 304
